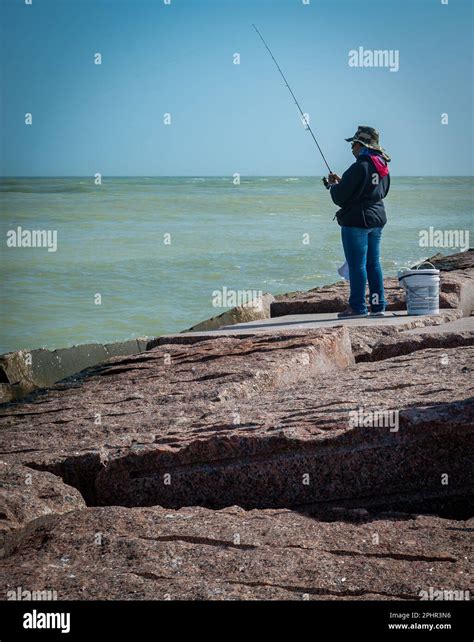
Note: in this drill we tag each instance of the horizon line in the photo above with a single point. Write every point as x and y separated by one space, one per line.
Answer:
230 176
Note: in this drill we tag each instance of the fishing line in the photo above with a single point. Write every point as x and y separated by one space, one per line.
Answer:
294 98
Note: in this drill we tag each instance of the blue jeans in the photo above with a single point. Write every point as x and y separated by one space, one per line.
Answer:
362 251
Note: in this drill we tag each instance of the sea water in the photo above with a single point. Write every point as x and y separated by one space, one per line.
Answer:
143 256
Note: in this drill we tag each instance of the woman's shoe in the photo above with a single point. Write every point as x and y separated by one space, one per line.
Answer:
381 313
349 313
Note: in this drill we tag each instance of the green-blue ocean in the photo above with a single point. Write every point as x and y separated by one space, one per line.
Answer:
155 249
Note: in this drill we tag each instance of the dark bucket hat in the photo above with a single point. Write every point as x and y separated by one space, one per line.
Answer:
369 137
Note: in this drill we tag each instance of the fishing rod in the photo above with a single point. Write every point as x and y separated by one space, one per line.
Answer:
294 98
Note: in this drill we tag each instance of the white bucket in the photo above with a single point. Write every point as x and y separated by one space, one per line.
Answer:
421 288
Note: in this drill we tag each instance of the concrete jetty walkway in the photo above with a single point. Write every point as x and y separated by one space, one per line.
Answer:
399 320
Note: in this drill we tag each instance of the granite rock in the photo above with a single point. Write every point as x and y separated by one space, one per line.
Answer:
73 428
404 343
365 337
263 422
398 427
458 261
28 499
198 554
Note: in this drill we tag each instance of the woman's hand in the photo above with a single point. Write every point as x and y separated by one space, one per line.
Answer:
333 179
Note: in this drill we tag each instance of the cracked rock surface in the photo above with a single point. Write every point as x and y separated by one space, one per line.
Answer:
266 422
325 428
28 499
168 398
196 553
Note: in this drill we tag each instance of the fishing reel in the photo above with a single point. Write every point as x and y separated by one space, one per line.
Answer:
326 182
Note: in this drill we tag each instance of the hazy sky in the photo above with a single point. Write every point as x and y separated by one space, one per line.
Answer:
226 118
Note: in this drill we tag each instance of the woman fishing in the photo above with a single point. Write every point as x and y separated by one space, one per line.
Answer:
360 193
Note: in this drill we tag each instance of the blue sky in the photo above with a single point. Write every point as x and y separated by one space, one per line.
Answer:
228 118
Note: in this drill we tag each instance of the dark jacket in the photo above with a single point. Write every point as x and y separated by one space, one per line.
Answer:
359 198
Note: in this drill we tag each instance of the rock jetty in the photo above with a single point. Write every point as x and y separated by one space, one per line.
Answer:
270 462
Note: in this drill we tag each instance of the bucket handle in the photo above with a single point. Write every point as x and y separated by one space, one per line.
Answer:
417 267
402 269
